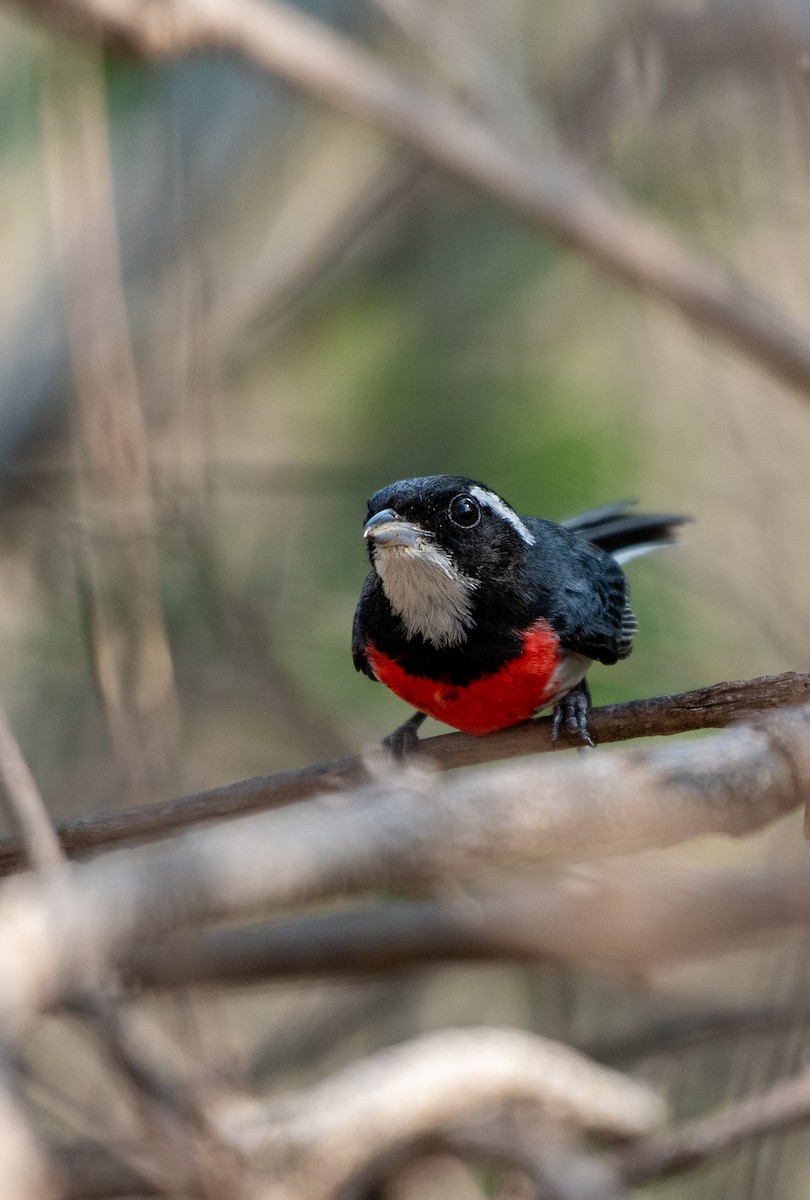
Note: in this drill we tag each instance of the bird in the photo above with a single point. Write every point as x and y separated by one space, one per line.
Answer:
483 618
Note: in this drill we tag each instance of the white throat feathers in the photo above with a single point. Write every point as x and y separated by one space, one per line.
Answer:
426 591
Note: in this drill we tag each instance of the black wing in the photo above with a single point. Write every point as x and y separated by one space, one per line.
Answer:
359 658
594 618
587 602
582 592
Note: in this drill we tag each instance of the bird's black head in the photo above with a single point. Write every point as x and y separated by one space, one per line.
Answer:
433 541
474 526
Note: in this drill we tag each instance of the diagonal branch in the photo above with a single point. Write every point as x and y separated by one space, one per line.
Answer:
38 842
557 197
704 708
703 1139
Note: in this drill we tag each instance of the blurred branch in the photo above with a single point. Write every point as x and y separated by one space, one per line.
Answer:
557 197
311 1142
128 643
177 1147
679 1033
319 1022
704 708
321 1136
24 1171
410 830
628 918
41 848
572 1086
704 1139
652 54
175 1125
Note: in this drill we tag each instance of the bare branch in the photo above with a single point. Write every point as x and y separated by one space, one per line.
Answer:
318 1138
412 830
39 843
628 918
558 197
654 1156
130 649
679 1033
705 708
784 1104
25 1174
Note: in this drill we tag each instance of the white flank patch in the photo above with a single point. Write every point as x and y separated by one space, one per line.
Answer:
496 505
571 670
426 591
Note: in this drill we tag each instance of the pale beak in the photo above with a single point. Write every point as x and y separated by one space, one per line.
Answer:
388 528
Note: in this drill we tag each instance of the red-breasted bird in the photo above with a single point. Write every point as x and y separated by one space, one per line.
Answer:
482 618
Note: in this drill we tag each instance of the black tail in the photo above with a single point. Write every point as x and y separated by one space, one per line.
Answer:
626 534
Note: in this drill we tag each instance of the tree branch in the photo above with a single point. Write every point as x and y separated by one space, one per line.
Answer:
625 918
704 708
95 1171
317 1139
39 844
558 198
702 1140
412 830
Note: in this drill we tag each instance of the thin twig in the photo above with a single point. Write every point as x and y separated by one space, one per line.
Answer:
704 708
779 1107
39 844
557 196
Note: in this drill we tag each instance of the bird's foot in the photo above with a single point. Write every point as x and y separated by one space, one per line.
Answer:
404 738
573 710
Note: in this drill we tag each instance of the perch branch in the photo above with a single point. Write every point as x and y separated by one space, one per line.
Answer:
414 829
704 708
557 196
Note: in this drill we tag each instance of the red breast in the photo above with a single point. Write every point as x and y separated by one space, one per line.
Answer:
512 694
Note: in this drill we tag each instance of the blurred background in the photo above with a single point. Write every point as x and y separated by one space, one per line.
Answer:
228 314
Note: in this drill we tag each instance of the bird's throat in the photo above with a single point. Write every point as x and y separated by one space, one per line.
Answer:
427 592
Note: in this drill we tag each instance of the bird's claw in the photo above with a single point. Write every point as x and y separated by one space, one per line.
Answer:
573 709
404 739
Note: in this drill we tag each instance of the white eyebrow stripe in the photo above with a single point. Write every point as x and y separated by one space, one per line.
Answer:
500 507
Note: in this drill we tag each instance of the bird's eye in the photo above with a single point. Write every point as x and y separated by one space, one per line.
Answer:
464 512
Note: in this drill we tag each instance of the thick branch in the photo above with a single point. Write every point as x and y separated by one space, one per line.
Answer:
628 919
702 1140
414 830
557 197
317 1139
705 708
